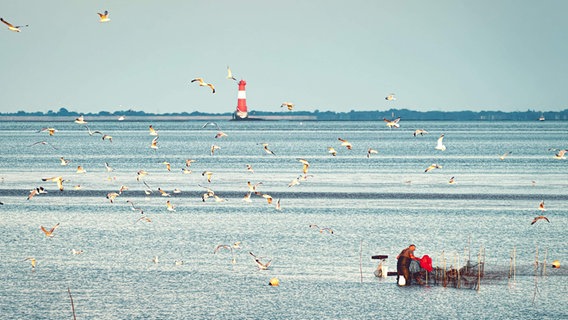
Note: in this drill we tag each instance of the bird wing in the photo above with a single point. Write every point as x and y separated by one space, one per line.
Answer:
6 22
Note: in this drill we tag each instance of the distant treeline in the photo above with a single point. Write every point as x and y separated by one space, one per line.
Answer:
529 115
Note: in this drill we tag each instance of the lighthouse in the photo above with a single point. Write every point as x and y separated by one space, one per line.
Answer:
241 112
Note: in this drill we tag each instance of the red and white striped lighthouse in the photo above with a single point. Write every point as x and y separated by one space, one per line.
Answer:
242 111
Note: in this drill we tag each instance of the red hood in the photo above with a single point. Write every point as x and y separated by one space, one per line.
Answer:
426 263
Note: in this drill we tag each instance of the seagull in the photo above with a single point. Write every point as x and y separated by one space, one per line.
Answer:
345 143
278 207
369 151
294 182
64 162
252 187
211 123
81 170
36 191
32 261
108 168
49 233
268 198
288 105
440 145
209 193
163 193
51 131
249 168
188 162
260 264
392 123
107 137
265 147
504 155
11 27
134 208
306 165
204 84
432 167
390 97
80 120
213 148
111 196
332 151
321 230
541 206
420 132
170 206
93 132
154 144
147 190
140 174
122 189
560 155
153 132
59 181
143 218
220 134
73 251
185 171
209 174
452 180
539 218
168 166
246 198
44 143
103 17
230 74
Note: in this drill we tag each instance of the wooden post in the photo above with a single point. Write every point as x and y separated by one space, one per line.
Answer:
72 304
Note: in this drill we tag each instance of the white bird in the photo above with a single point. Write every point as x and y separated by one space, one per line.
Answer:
541 206
432 167
49 233
390 97
392 123
420 132
261 265
170 206
504 155
80 120
440 145
540 218
50 131
204 84
153 132
265 147
154 144
93 132
332 151
103 17
560 155
370 151
346 144
230 74
249 168
11 27
108 168
63 161
305 166
288 105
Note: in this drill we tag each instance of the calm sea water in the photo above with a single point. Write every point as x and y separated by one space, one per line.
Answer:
375 205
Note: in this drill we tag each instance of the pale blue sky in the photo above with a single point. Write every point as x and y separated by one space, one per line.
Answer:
327 55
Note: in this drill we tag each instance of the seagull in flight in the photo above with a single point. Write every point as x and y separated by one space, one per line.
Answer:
332 151
44 143
64 161
504 155
440 145
560 155
432 167
540 218
392 123
51 131
230 74
80 120
49 233
370 151
541 206
288 105
265 147
420 132
204 84
153 132
346 143
36 191
259 263
390 97
11 27
103 17
59 181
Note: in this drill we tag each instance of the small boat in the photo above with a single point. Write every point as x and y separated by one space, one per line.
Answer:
541 118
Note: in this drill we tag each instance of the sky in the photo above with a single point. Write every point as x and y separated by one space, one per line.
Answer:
326 55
